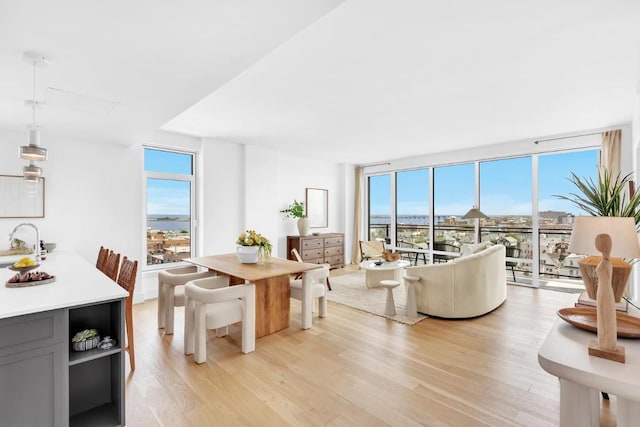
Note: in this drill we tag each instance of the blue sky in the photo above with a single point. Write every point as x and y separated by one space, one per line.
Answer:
505 186
167 197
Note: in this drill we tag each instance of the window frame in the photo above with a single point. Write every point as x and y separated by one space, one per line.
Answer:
193 204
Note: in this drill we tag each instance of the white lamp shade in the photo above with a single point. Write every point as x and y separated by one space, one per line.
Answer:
622 230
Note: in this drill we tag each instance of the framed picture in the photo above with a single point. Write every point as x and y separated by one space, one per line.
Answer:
317 207
21 199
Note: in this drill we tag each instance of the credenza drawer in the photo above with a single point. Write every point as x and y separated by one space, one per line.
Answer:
333 241
334 260
312 244
332 251
311 254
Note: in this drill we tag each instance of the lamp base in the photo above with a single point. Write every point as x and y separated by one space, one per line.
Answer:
616 355
619 280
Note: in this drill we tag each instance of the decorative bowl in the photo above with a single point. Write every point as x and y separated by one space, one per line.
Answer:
50 246
87 344
378 263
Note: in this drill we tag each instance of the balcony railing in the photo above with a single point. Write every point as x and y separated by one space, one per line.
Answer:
553 244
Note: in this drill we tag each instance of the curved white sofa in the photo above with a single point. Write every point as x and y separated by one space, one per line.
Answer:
465 287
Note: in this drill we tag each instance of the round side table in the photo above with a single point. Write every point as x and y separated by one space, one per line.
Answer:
390 306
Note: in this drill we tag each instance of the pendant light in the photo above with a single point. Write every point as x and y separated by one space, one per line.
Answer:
33 151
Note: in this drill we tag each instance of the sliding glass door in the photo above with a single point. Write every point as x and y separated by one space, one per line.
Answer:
506 198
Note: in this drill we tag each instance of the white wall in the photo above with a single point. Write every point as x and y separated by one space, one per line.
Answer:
92 195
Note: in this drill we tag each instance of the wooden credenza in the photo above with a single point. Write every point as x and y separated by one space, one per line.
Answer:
327 248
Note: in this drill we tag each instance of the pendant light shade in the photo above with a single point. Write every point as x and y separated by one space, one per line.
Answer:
32 170
33 151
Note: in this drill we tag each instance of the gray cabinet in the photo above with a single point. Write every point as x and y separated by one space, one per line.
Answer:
43 382
32 370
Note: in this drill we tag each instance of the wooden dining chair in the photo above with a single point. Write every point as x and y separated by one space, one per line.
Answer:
103 254
127 280
112 265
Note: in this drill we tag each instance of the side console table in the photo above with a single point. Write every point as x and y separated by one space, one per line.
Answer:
327 248
582 377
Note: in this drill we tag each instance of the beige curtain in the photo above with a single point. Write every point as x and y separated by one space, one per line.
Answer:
357 220
610 152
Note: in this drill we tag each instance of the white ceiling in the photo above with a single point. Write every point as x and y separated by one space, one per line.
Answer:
355 81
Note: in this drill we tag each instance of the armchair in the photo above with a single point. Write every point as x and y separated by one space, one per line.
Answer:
212 304
371 249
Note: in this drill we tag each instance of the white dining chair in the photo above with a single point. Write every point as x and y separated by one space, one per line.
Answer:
212 304
313 284
171 292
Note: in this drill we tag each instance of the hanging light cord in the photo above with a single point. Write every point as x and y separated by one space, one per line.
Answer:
33 106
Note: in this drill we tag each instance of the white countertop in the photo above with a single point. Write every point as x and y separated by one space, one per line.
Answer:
77 283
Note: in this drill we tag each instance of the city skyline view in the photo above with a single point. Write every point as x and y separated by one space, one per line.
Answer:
505 186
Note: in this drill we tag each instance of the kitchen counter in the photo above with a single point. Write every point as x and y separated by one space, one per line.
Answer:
77 283
64 387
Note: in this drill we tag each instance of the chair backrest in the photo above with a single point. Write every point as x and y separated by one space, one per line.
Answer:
444 247
371 248
320 275
127 276
112 265
296 254
103 253
512 252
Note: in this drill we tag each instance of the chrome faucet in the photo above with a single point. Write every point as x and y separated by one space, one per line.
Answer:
37 245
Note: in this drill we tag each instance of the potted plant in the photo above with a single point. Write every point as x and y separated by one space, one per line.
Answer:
296 210
251 246
607 197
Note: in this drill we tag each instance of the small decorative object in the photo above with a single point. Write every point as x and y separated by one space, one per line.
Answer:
107 343
85 340
378 263
252 246
593 235
390 256
296 210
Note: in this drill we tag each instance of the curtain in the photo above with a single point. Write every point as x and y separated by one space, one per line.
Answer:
610 152
357 220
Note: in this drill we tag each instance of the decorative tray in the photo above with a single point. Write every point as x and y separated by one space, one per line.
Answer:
585 318
29 279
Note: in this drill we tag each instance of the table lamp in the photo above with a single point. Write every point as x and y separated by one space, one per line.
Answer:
475 214
611 237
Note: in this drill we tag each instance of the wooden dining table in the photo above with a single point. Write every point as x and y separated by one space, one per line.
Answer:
272 285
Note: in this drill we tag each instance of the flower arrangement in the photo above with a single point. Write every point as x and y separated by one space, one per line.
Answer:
251 238
295 210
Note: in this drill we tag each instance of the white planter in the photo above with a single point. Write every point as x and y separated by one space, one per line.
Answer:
247 254
303 226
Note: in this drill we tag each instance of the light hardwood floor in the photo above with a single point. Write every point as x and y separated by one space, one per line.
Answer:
356 369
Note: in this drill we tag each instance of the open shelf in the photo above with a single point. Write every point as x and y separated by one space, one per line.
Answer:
99 416
76 357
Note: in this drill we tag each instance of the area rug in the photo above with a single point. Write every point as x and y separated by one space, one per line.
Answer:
351 290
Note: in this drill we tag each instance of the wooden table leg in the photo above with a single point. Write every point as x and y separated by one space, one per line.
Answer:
272 305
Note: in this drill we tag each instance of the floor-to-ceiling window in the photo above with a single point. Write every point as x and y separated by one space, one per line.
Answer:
518 194
412 214
555 215
506 198
379 209
453 196
169 183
